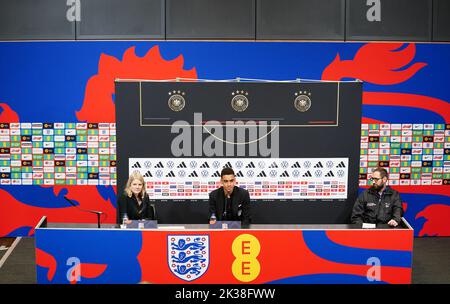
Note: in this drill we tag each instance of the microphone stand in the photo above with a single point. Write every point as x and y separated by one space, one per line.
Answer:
85 210
225 205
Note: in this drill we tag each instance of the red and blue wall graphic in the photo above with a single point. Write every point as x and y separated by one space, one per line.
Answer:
72 83
231 256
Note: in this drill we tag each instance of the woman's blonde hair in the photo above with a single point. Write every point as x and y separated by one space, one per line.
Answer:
133 176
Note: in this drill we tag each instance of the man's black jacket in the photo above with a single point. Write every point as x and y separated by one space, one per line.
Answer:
370 207
240 205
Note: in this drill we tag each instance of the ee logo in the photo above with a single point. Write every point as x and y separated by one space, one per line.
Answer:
246 249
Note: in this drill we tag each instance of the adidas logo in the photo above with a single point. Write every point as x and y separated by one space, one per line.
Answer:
296 165
318 165
182 165
136 165
341 165
329 174
159 165
262 174
307 174
148 174
228 165
250 165
273 165
204 165
216 174
193 174
284 174
239 174
170 174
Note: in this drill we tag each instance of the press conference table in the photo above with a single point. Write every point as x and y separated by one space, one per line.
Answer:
252 227
195 254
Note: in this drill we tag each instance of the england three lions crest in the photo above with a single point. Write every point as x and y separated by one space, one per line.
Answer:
188 255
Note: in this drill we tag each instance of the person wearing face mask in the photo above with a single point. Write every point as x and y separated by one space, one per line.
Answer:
134 203
380 204
229 202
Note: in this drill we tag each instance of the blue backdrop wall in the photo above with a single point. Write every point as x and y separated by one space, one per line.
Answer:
57 125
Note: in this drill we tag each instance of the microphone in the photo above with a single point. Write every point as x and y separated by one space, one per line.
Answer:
225 204
85 210
154 211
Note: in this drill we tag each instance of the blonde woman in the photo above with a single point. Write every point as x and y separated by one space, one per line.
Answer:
134 203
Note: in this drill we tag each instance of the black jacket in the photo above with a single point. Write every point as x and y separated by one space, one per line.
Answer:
129 205
371 208
240 205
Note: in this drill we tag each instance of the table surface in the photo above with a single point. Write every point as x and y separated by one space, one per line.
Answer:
251 227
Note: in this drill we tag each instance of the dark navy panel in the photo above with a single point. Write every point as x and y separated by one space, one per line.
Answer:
210 19
300 19
397 20
35 19
441 20
340 140
116 19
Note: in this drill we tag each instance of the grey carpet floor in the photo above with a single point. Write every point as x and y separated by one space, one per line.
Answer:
431 260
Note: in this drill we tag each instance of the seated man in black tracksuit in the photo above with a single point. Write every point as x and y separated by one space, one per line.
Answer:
378 204
229 202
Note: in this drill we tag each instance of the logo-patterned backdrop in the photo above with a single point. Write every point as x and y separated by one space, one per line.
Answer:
264 178
58 154
85 154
